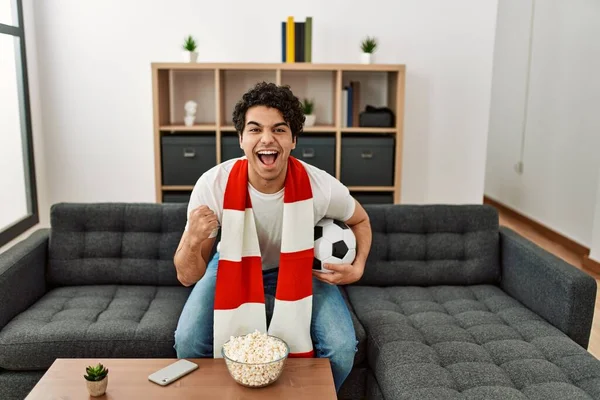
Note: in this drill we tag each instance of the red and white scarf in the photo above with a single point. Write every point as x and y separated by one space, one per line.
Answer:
239 294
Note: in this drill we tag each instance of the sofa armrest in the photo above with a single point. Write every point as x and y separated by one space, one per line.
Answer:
554 289
22 275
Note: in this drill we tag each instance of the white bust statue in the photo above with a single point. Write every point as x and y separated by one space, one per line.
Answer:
190 108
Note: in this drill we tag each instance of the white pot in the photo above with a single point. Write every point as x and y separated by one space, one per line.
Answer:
189 120
366 58
190 56
97 389
310 120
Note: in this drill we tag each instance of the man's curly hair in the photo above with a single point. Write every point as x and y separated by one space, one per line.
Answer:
271 95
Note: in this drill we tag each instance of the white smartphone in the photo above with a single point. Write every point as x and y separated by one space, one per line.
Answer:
172 372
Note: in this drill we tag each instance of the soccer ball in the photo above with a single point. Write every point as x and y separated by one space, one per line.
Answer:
335 243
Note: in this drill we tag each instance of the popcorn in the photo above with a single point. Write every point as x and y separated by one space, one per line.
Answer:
250 358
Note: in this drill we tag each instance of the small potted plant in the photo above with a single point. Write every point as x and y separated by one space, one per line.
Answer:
96 378
308 107
368 47
189 49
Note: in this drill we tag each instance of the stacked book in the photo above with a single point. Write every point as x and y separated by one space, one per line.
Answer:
296 40
350 104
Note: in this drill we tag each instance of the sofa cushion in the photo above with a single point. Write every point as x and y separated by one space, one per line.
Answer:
114 243
429 245
93 321
475 341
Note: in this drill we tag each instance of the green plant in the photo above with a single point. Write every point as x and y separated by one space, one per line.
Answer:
308 106
369 45
96 373
189 44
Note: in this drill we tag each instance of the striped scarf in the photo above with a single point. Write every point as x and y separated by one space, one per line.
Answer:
239 306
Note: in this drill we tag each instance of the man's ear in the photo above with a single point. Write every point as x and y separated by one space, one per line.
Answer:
294 141
240 138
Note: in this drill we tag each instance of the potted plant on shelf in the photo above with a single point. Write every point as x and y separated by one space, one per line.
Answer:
308 107
96 378
368 46
189 46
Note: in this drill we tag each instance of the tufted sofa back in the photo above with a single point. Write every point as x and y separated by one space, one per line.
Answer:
114 243
428 245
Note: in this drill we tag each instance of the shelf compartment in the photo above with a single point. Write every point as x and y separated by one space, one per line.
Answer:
233 85
374 88
316 85
196 85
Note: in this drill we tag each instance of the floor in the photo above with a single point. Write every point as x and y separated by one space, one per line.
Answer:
569 256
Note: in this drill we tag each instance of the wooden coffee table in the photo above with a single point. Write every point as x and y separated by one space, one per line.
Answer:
301 378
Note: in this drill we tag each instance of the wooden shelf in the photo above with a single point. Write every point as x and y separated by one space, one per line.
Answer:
193 128
319 129
310 129
371 188
216 87
181 188
369 130
280 66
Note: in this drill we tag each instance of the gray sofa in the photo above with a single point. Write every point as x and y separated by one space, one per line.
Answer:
451 306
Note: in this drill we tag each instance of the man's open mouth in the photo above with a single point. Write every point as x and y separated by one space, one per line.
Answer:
267 157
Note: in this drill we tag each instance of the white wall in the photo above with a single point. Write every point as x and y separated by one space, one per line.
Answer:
96 87
561 161
33 69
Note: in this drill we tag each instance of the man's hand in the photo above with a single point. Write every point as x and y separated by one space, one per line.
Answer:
202 223
342 274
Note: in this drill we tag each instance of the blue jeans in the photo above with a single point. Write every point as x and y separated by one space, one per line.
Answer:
332 330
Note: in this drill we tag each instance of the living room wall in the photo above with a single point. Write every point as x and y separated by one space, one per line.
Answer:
96 89
559 182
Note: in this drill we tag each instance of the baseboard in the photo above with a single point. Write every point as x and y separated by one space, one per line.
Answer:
591 265
572 245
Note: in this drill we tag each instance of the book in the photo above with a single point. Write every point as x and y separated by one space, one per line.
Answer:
355 102
291 40
299 42
283 41
308 40
345 107
349 106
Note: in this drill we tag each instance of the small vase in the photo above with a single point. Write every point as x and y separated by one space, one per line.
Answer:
190 56
366 58
97 388
310 120
189 120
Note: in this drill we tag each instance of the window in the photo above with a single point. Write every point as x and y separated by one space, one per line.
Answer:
18 195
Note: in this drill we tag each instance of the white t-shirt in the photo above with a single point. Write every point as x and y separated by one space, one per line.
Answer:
331 199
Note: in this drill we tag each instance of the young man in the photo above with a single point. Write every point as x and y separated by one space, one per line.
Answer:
268 120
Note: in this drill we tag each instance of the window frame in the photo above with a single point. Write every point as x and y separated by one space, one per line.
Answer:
11 232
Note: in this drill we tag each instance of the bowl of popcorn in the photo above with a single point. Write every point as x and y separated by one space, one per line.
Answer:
256 359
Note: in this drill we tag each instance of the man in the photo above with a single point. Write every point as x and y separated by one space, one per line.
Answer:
268 120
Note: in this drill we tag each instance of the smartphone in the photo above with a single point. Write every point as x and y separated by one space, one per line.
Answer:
171 373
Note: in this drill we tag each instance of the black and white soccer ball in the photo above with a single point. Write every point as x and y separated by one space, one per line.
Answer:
335 243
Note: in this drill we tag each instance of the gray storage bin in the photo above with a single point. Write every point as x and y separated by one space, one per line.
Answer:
318 151
367 161
185 158
230 147
176 197
373 197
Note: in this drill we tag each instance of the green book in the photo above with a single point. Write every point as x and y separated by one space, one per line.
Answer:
308 40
